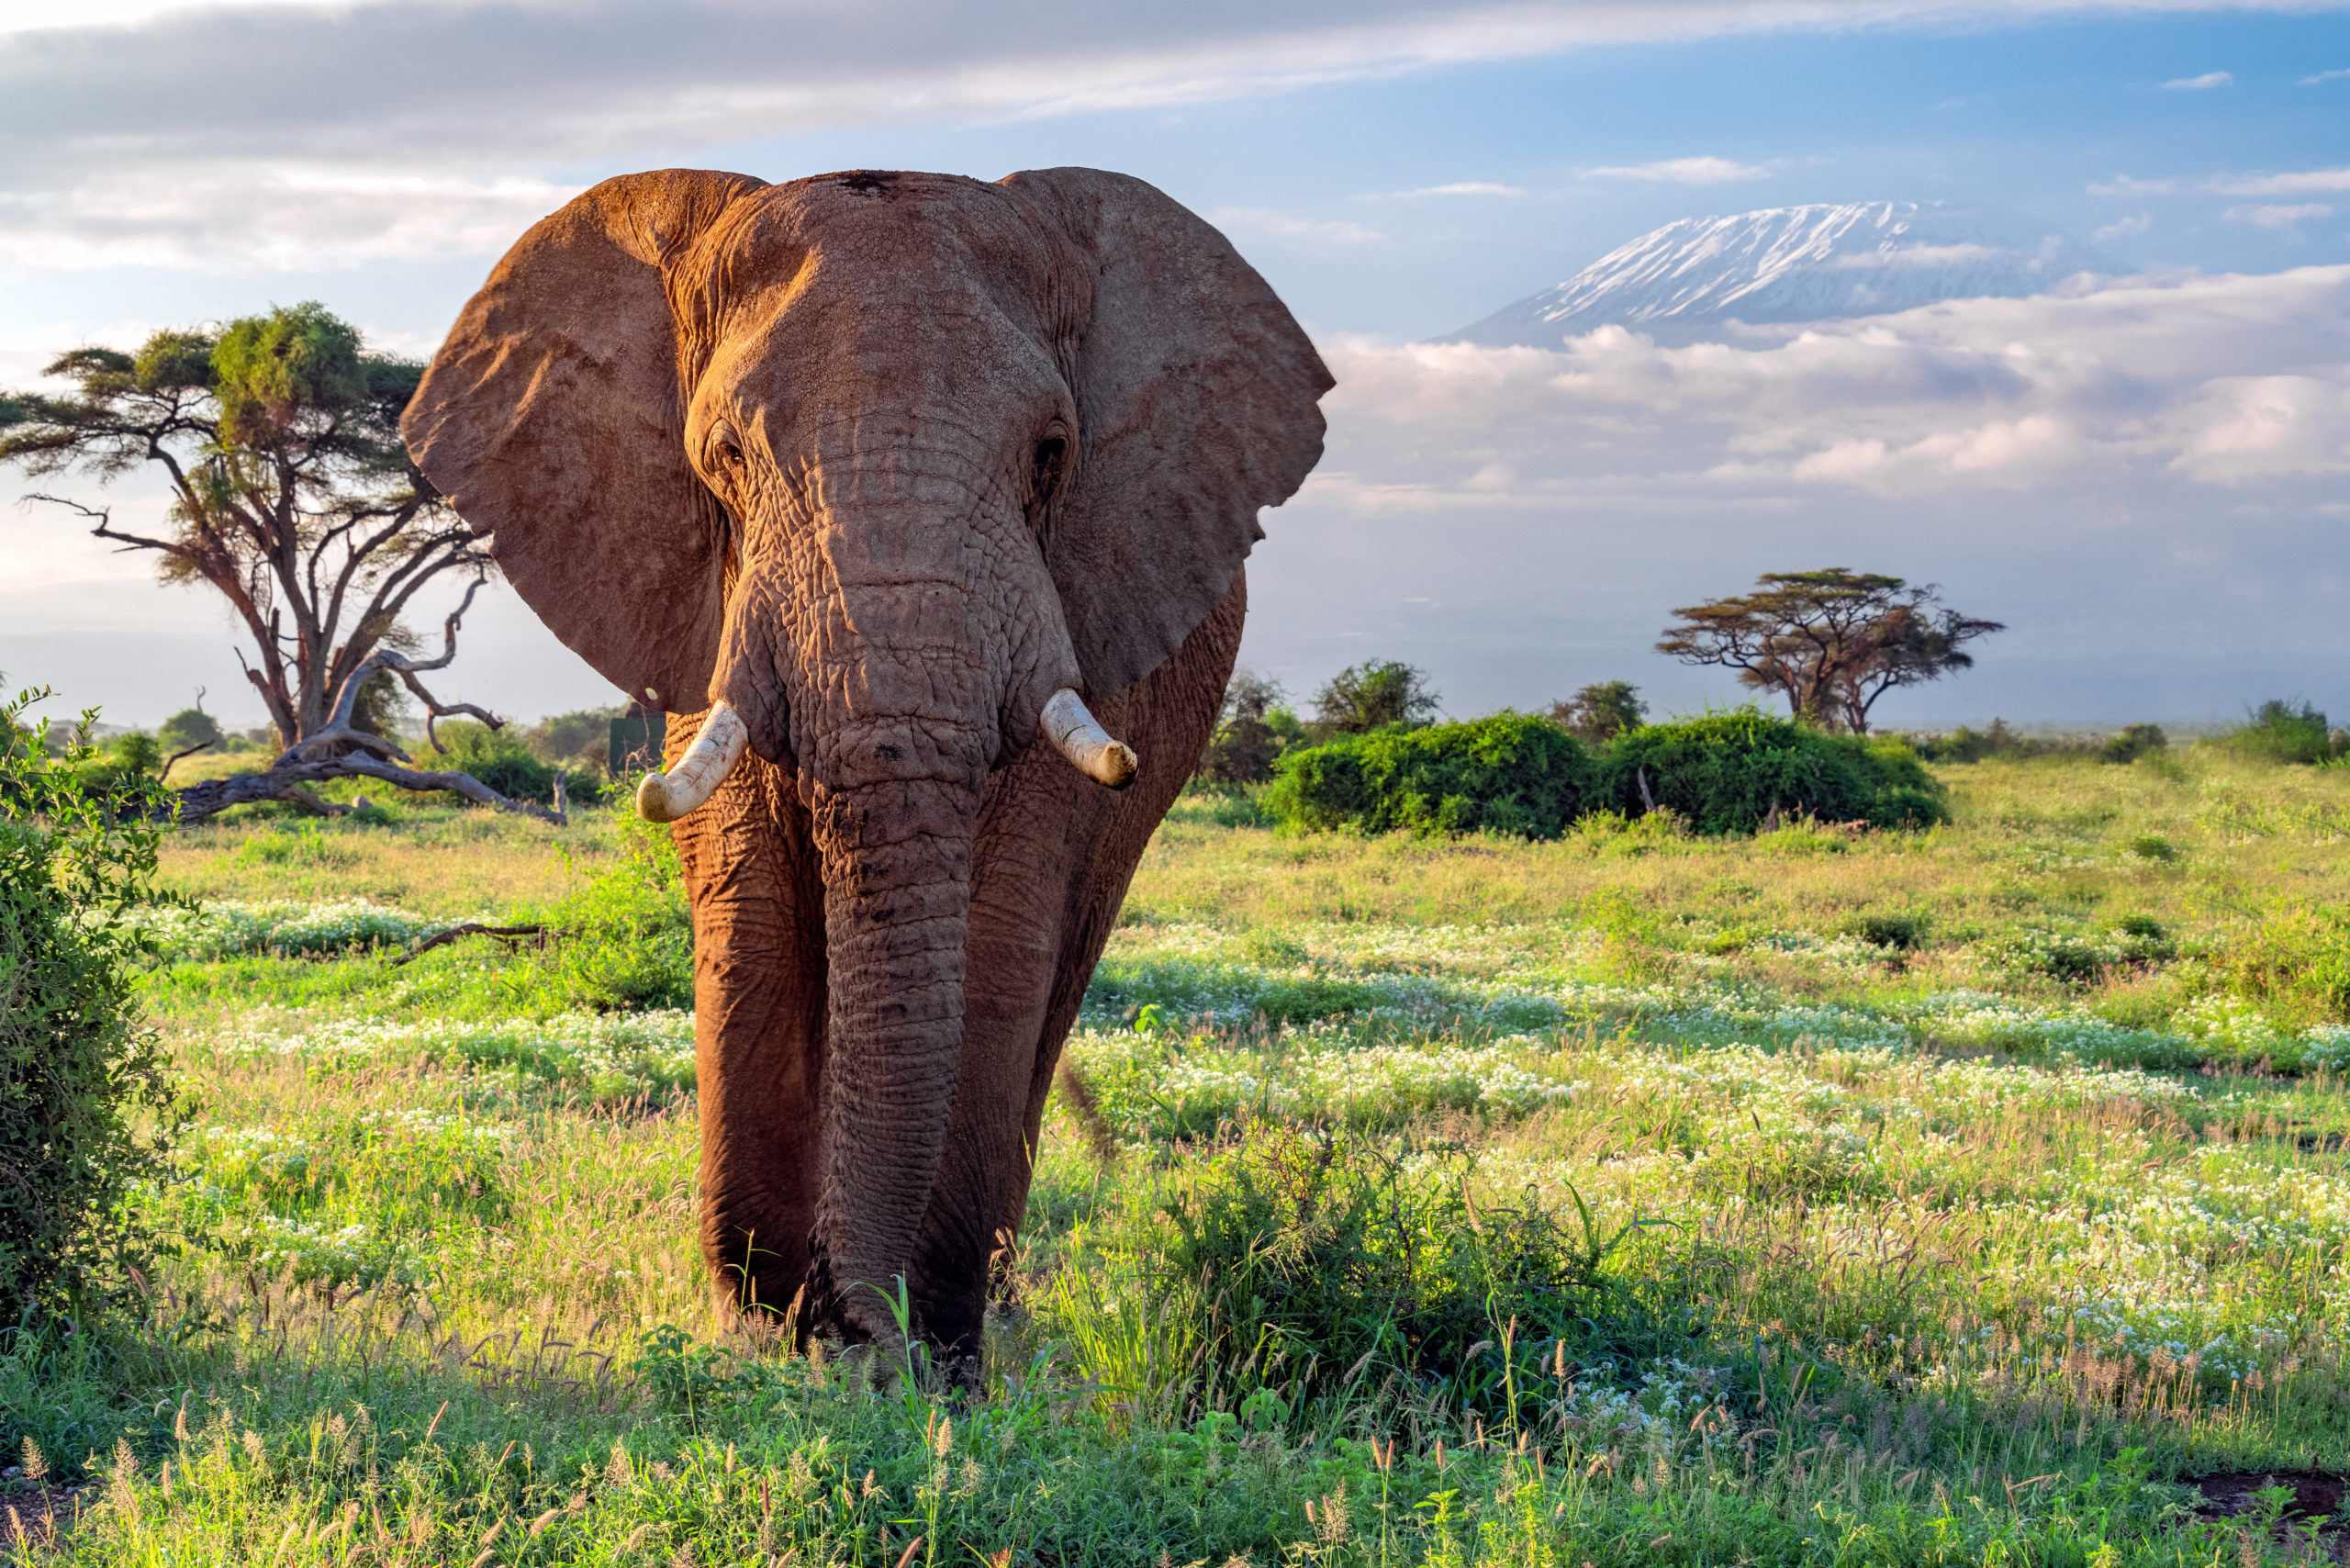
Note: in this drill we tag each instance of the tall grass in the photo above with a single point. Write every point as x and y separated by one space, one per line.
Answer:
1888 1198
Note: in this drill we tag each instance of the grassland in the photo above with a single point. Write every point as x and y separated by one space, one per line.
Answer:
1949 1197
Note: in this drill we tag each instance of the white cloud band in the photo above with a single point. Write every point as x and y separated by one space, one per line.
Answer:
2222 381
477 97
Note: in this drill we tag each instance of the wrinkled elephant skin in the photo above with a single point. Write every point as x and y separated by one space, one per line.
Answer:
885 464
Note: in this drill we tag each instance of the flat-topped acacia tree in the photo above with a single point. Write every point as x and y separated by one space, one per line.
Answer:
1832 641
296 500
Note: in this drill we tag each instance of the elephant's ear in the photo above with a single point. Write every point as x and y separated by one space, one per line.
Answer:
553 420
1195 404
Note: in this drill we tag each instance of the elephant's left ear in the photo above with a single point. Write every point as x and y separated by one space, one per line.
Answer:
1196 394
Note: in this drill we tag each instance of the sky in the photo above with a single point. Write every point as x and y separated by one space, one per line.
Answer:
2146 477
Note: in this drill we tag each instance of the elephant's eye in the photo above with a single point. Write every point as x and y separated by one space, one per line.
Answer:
725 451
1049 455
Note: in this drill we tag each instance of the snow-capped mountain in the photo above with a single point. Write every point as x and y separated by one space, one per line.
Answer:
1687 281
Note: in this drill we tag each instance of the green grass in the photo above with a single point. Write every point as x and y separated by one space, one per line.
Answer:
1943 1197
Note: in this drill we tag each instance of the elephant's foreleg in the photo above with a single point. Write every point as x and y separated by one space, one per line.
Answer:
759 1031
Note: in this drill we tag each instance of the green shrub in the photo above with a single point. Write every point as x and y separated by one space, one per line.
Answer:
1320 1246
1600 711
580 739
120 768
78 1071
1726 772
188 727
2135 743
1510 773
2296 963
1966 745
2281 731
625 940
1901 932
504 760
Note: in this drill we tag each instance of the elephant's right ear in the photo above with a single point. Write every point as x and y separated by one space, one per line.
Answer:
554 420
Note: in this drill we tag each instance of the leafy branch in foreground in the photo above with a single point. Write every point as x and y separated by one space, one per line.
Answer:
79 1070
294 497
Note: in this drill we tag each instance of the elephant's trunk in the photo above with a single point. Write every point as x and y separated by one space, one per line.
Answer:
889 665
897 910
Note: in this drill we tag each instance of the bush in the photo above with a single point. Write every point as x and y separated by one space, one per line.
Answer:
1318 1244
78 1072
1601 711
503 761
188 727
627 940
579 739
1373 695
2280 732
2135 743
121 769
1965 745
1726 772
2296 964
1511 773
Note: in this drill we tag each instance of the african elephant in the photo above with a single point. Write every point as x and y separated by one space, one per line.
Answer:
911 492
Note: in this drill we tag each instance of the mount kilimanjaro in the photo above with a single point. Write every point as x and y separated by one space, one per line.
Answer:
1691 280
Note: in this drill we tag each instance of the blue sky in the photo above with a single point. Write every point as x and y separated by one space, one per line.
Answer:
2174 553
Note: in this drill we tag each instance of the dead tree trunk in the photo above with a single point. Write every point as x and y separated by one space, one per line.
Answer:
337 750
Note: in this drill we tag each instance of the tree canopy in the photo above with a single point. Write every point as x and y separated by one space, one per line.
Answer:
1252 732
293 497
1601 710
1832 641
1373 695
293 494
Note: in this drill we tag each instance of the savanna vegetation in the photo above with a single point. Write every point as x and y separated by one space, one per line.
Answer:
1830 1193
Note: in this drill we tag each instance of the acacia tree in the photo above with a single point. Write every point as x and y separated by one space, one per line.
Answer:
294 497
1832 641
1372 695
1601 711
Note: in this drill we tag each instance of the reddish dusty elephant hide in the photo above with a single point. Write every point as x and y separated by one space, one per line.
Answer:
883 463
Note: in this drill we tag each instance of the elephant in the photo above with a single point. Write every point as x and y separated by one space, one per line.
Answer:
919 505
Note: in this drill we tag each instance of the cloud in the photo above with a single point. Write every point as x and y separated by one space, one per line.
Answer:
2322 76
2205 82
1467 187
493 93
1684 172
2224 381
294 218
2293 184
2134 478
2124 227
2284 220
2123 184
1289 225
2251 427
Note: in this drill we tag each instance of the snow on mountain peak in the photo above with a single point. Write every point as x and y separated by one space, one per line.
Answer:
1687 281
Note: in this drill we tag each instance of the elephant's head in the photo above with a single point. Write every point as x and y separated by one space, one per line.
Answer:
885 462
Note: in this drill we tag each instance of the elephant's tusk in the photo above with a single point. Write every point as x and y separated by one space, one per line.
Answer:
1087 746
667 797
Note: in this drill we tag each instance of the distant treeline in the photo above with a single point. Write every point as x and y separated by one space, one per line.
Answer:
1372 761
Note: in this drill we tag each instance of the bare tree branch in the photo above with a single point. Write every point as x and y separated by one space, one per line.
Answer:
339 729
179 757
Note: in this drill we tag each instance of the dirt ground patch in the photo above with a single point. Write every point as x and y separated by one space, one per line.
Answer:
2317 1494
37 1515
